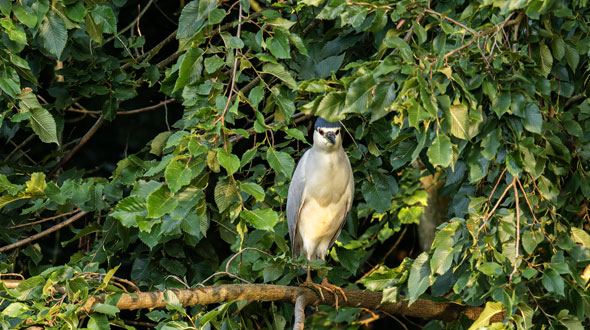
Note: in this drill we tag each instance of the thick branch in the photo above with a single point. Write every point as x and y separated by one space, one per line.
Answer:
422 308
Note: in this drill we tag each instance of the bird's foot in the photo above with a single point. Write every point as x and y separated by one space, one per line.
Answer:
335 290
328 287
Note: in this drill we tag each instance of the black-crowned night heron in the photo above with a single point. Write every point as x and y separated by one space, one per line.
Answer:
320 196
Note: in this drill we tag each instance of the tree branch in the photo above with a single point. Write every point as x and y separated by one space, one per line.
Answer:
43 233
132 22
82 142
422 308
129 112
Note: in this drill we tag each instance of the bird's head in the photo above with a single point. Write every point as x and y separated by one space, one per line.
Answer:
327 135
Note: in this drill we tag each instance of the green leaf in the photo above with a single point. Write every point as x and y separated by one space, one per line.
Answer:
573 128
358 94
330 106
229 161
580 236
24 15
93 29
256 95
225 193
7 199
491 309
419 279
530 240
158 143
130 210
279 44
109 108
546 59
490 143
105 309
5 7
76 12
177 175
10 82
420 32
36 185
280 161
459 121
533 121
190 68
501 103
98 322
104 16
253 190
215 16
572 57
393 41
213 63
440 151
443 250
160 202
193 16
41 120
558 47
263 219
231 41
553 282
279 71
377 194
16 309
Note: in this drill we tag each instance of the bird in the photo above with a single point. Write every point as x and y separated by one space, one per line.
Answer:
320 196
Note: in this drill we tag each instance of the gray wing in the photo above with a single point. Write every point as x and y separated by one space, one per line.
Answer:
295 199
350 195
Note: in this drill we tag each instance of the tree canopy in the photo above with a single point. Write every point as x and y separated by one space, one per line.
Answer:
149 146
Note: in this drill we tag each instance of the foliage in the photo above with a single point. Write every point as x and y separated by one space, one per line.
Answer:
490 94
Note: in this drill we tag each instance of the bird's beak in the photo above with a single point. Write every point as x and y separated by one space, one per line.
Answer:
331 137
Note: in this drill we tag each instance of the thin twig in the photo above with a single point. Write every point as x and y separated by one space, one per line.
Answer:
43 233
533 213
393 247
20 146
43 220
122 280
129 112
496 186
538 305
527 200
147 6
517 210
234 71
488 215
80 144
242 251
224 273
169 38
444 17
24 153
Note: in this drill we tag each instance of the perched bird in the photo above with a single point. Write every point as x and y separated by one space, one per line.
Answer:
320 196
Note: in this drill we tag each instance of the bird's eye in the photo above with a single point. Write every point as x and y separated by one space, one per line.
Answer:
337 132
321 131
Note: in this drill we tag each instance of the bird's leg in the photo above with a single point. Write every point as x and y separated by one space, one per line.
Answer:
309 283
325 285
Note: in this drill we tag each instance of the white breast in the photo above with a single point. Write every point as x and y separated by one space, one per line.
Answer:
328 195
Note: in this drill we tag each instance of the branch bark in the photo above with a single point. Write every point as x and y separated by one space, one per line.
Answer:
422 308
